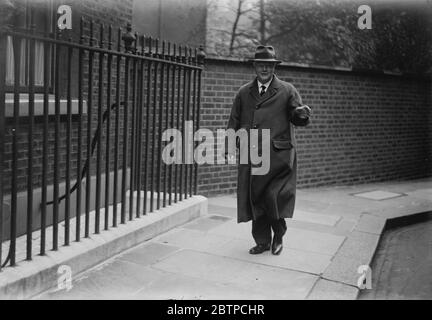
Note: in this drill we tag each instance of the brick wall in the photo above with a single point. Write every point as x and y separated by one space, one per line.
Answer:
365 127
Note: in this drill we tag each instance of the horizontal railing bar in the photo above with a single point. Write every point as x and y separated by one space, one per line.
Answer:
101 50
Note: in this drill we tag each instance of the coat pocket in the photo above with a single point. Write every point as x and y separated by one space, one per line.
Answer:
284 150
282 144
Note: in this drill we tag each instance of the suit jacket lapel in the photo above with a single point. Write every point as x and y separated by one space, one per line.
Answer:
253 90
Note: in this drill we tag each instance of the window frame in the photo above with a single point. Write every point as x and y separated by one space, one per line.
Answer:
21 21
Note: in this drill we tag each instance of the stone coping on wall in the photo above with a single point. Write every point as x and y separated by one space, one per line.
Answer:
323 68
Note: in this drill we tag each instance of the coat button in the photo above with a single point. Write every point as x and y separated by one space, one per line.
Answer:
255 126
257 106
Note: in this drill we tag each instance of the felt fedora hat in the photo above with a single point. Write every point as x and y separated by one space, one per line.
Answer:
265 54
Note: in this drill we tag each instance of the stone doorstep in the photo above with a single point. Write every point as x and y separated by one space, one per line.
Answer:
29 279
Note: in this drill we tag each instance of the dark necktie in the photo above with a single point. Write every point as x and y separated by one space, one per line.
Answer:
263 90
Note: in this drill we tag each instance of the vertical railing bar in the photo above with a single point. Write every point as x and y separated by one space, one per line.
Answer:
3 41
17 69
31 83
138 139
179 68
99 136
147 144
198 124
188 146
140 130
45 148
161 104
56 148
79 134
166 168
133 137
125 141
68 145
26 47
89 129
170 186
108 132
184 57
185 118
117 130
193 120
154 128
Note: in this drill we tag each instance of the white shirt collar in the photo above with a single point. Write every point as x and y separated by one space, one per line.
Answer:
266 85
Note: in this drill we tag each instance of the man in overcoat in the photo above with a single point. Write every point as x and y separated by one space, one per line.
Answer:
268 103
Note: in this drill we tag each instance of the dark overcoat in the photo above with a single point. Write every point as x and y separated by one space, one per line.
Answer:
272 194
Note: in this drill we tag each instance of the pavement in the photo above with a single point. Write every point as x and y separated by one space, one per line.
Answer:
334 231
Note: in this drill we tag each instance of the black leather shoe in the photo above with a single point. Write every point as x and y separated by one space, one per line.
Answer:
277 246
259 248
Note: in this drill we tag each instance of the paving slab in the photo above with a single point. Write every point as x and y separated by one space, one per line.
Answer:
347 224
306 204
148 254
251 277
411 207
357 250
360 246
345 199
336 230
344 269
223 211
325 219
304 261
421 193
295 238
398 202
278 283
206 223
330 290
318 242
229 201
338 209
203 265
113 280
192 239
232 229
181 287
371 224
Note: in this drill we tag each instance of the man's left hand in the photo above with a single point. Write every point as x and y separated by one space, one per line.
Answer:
303 112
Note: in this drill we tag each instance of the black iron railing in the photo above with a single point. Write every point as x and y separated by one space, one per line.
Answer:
94 152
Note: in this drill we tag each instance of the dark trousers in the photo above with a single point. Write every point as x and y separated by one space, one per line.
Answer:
262 227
